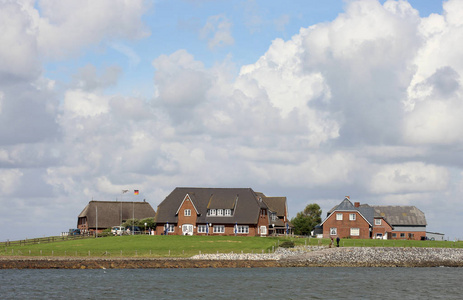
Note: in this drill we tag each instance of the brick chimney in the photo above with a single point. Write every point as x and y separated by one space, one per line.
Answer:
356 204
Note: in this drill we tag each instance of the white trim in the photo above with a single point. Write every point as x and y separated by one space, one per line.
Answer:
333 231
242 229
339 216
202 228
189 198
355 231
218 229
378 222
352 216
187 212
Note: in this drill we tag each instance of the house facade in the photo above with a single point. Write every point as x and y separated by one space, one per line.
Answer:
100 215
214 211
356 221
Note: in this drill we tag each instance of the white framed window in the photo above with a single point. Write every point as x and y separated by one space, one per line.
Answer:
243 229
220 212
187 212
352 217
171 227
355 231
228 212
202 228
333 231
338 217
219 228
377 221
212 212
402 235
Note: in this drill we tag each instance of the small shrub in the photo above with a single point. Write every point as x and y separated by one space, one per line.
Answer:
287 244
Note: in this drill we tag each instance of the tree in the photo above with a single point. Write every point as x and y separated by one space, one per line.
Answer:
306 220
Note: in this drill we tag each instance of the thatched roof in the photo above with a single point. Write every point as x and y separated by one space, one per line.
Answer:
244 201
113 213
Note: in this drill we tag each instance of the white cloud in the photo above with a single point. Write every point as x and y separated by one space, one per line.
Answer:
218 32
63 31
81 104
409 177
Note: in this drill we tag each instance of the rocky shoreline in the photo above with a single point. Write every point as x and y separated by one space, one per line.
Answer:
297 257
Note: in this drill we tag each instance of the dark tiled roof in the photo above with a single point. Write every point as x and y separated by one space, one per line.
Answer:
401 215
109 212
276 204
365 210
244 201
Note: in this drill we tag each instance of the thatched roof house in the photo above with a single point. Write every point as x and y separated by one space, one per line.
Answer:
106 214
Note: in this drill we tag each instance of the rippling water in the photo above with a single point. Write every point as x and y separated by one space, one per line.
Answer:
257 283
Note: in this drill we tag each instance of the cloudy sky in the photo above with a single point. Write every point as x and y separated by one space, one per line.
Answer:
314 100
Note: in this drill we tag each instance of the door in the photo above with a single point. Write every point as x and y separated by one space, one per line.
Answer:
187 229
263 230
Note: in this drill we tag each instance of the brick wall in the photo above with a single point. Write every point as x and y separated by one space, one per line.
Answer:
344 226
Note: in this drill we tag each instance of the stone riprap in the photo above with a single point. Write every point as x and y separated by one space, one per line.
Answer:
296 257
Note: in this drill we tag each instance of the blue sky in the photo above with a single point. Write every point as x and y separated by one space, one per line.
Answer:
314 100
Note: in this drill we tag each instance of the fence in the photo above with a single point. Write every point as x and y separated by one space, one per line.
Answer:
50 239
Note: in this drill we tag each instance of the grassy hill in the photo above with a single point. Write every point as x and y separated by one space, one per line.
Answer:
186 246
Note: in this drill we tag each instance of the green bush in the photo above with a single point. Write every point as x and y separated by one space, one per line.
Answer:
287 244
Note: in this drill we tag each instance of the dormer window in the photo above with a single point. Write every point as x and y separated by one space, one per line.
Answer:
220 212
228 212
212 212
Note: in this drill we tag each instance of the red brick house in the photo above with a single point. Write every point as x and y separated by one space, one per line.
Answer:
356 221
214 211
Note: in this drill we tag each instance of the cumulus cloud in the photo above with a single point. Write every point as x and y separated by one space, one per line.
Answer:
367 105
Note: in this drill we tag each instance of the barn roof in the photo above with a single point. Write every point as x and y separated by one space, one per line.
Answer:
111 213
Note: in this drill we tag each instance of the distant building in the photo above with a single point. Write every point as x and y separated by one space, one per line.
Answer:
221 211
348 220
102 215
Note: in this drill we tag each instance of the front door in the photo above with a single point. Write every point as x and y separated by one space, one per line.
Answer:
187 229
263 230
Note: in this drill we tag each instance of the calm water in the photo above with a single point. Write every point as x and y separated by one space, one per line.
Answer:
260 283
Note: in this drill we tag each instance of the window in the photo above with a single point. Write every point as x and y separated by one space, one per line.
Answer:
171 227
394 235
228 212
219 229
187 212
354 231
202 228
212 212
333 231
410 235
243 229
377 221
402 235
352 217
220 212
338 217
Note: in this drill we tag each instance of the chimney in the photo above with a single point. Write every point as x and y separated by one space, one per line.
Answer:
356 204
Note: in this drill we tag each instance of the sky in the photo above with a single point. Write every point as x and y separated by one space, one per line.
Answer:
312 100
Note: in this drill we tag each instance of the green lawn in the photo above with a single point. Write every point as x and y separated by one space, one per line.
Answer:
185 246
147 246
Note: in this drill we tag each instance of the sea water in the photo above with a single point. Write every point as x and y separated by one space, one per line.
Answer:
252 283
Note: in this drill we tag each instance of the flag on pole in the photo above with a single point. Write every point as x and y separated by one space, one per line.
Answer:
287 228
135 192
167 228
236 228
207 228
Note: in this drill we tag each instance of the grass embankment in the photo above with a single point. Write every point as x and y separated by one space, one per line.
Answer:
186 246
147 246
